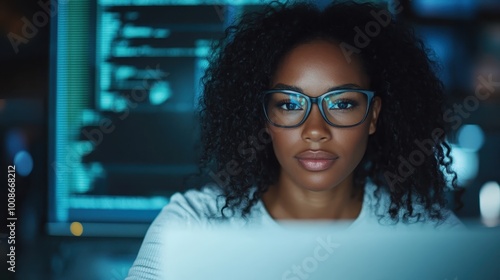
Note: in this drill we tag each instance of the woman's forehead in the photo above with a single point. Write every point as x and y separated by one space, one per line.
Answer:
318 65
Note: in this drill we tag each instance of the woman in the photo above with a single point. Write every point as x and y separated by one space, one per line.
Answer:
308 114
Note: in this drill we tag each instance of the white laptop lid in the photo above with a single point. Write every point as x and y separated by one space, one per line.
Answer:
308 251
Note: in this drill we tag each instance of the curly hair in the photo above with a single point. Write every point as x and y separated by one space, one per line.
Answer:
236 149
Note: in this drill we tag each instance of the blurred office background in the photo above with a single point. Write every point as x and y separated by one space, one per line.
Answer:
97 102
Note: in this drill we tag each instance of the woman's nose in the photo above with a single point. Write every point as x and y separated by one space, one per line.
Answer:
315 128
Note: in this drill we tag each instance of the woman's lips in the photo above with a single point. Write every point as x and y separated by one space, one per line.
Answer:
316 164
316 160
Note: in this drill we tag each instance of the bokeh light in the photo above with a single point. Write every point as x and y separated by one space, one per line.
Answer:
489 203
160 92
465 163
471 137
24 163
76 228
15 141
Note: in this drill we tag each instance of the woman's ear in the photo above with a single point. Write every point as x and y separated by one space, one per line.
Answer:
376 107
270 130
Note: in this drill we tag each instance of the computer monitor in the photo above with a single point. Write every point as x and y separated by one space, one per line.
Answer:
125 80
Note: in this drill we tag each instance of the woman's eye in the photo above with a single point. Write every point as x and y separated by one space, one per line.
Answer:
342 105
288 106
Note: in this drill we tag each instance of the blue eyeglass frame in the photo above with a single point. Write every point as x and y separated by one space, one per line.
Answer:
318 100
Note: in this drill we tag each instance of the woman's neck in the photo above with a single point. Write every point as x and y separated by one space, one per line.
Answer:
284 201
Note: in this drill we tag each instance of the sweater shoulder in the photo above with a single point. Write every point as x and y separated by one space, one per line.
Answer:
194 206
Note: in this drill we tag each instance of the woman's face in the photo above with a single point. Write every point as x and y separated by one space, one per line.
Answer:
316 156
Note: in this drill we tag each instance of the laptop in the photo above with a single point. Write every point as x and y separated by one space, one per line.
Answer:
317 251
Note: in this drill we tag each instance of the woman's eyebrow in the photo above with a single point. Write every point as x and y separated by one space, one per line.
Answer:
345 86
288 87
295 88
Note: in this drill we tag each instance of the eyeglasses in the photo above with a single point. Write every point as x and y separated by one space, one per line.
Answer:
339 108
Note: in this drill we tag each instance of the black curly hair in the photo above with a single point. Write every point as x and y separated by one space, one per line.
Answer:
236 149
